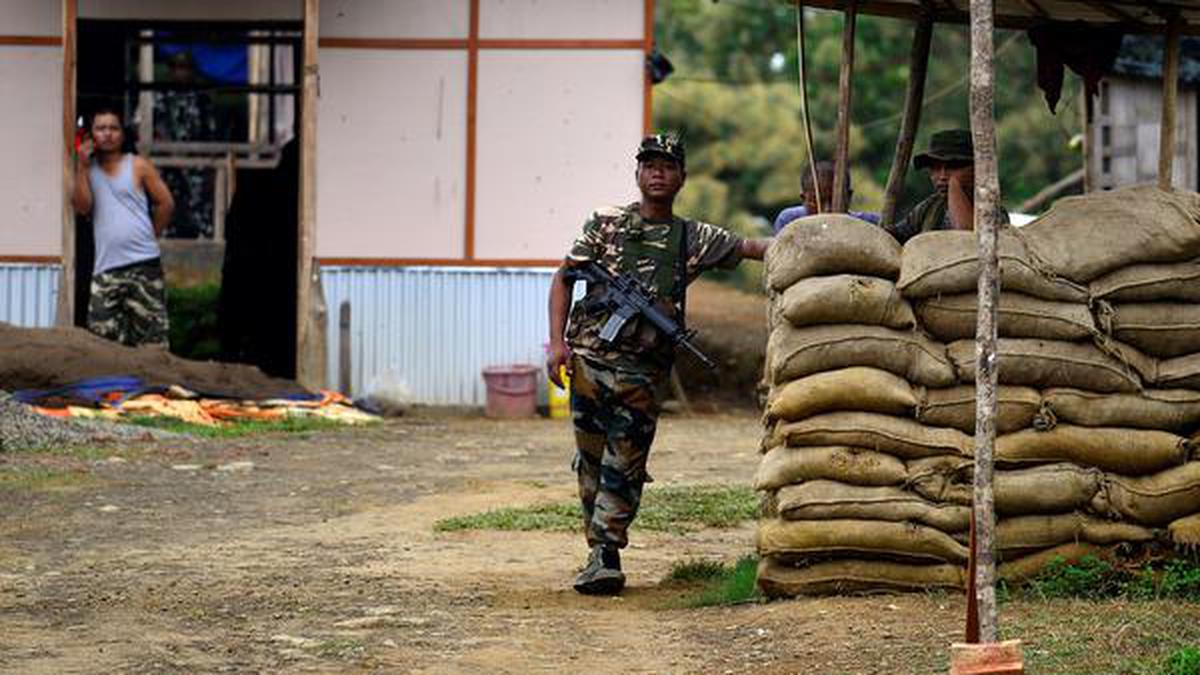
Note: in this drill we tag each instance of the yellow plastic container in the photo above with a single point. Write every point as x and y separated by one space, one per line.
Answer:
560 397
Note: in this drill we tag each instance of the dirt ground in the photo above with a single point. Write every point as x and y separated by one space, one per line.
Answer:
316 553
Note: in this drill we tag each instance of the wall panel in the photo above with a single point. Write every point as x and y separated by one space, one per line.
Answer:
31 179
557 132
436 328
394 18
561 19
31 17
392 142
28 295
210 10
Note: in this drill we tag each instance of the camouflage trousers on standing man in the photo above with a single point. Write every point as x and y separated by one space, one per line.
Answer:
129 304
616 415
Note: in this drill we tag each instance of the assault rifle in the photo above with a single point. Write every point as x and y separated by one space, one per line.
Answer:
626 298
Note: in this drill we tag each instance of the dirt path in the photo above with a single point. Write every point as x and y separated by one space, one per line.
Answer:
317 554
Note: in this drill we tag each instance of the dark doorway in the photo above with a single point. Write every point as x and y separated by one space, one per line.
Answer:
215 107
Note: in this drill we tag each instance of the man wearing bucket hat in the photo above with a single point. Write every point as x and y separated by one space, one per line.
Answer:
616 386
951 164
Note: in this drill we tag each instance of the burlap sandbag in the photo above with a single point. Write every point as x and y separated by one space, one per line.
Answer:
783 465
947 263
1162 329
1185 532
1152 500
1049 363
864 389
777 579
955 407
829 500
797 352
1029 566
1084 237
1053 488
1130 452
953 317
1181 371
895 436
1043 531
830 243
845 298
1178 282
801 539
1163 409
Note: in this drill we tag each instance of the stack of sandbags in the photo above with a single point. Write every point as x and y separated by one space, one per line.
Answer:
867 464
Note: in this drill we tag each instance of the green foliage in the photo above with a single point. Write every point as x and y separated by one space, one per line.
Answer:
32 477
665 509
1178 578
1093 578
1184 661
192 311
735 96
235 428
721 584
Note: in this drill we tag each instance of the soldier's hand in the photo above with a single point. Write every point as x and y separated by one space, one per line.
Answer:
558 356
86 147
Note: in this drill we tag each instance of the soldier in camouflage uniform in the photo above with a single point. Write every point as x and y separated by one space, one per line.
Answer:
130 205
616 387
951 163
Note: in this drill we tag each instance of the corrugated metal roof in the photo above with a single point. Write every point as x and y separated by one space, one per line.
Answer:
28 294
1136 15
435 328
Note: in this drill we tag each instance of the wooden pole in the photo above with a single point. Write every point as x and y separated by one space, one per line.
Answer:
310 358
65 311
345 365
822 200
1170 97
914 99
987 203
845 86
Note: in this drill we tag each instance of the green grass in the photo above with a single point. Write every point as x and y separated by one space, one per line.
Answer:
1092 579
235 428
1183 661
719 584
665 509
193 323
38 478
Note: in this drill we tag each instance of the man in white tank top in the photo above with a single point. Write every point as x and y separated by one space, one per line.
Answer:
130 207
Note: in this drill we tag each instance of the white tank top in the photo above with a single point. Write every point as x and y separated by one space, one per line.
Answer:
121 218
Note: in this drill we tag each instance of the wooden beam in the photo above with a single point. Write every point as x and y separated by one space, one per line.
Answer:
914 99
472 109
65 312
439 262
845 89
1048 193
1114 11
310 313
987 210
1036 8
31 40
1170 99
647 85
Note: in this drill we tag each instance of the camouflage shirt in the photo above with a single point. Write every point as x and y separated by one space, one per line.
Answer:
621 241
931 213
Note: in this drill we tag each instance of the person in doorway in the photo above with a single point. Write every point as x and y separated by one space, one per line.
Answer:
951 164
808 195
616 386
130 206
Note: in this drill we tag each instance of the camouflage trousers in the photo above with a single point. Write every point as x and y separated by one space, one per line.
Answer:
129 304
616 415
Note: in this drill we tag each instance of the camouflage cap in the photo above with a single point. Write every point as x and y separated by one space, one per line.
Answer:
952 145
662 144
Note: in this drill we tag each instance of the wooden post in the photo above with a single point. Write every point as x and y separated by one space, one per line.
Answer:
1166 145
987 203
845 86
65 311
914 98
822 200
1090 155
310 357
344 362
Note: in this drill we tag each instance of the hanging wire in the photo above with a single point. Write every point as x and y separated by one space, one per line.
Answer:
808 135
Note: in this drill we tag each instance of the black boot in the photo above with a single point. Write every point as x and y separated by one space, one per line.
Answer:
602 573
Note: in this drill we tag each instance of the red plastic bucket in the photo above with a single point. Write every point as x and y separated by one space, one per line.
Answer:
511 390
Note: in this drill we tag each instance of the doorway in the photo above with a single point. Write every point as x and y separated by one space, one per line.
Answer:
215 106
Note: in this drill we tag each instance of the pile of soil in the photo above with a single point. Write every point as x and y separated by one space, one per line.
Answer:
731 327
47 358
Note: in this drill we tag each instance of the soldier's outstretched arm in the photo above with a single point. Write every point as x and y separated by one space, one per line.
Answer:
559 354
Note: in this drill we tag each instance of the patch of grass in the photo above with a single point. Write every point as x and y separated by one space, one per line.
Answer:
1184 661
721 584
236 428
38 478
1093 578
666 509
339 648
193 323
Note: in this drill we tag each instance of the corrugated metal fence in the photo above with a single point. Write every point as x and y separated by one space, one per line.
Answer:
28 294
435 328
